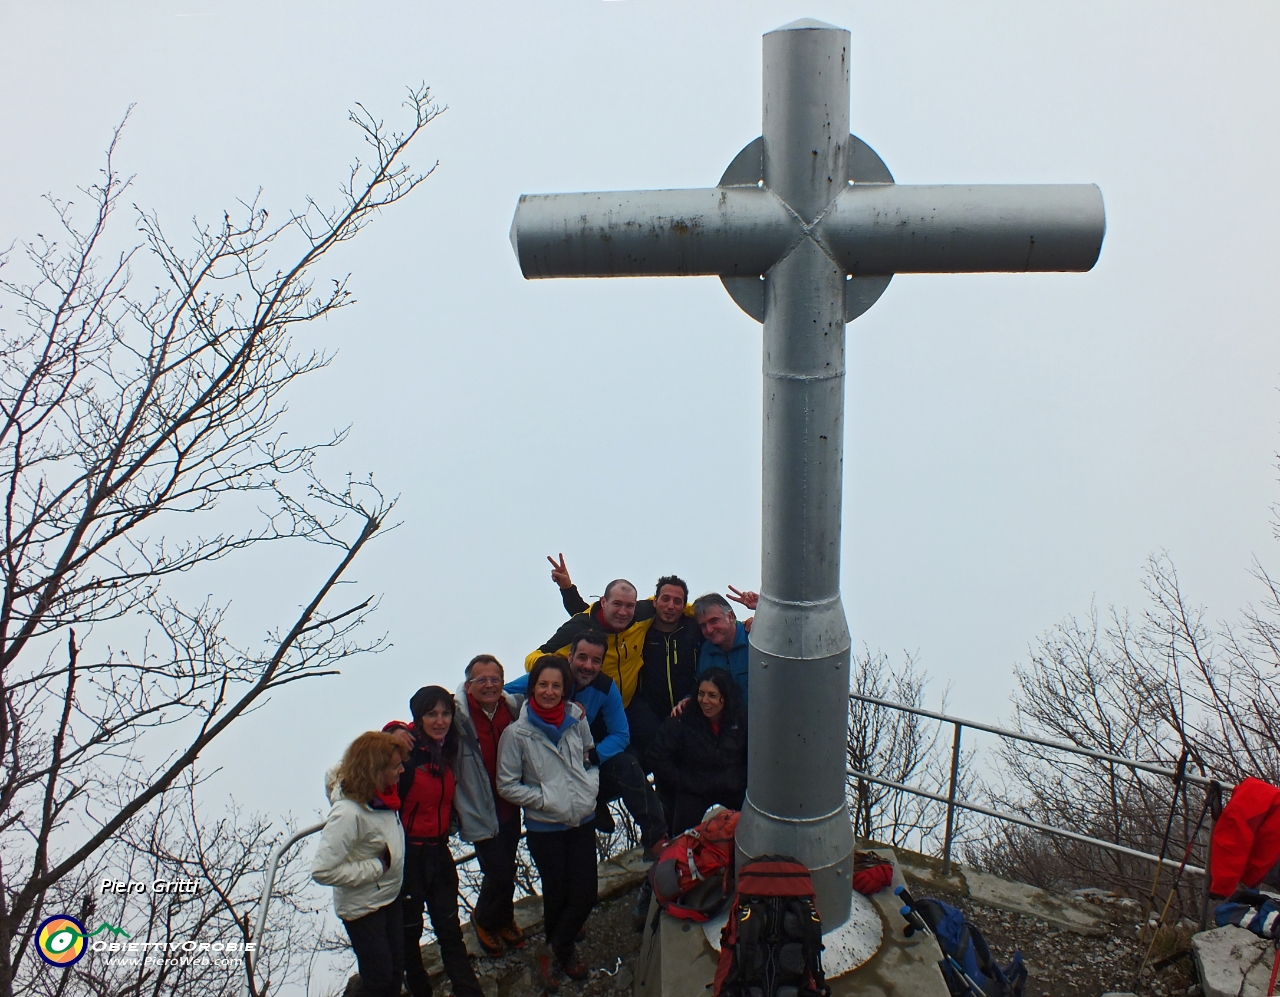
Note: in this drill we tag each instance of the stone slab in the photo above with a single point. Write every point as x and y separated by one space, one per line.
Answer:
1056 909
1232 962
676 960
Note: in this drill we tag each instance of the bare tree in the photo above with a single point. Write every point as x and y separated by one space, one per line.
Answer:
141 399
1165 688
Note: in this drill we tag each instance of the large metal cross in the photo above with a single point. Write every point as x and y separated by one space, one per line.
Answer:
805 229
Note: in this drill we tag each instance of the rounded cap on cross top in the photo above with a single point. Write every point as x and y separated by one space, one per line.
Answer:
807 24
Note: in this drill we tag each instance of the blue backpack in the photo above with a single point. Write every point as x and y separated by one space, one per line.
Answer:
965 952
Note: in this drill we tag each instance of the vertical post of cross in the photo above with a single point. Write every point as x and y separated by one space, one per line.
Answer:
799 678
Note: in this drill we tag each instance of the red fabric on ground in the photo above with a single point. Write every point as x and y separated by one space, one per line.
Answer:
873 880
1246 838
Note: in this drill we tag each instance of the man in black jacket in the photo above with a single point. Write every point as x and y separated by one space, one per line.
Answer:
670 661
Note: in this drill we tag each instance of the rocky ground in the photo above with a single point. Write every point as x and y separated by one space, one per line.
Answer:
1065 964
610 951
1060 963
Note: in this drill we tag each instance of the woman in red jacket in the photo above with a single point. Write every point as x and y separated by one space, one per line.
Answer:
430 878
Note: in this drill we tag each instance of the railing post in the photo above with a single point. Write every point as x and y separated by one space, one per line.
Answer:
1212 801
951 802
269 880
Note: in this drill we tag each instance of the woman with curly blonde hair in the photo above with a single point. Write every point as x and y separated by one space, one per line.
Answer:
361 855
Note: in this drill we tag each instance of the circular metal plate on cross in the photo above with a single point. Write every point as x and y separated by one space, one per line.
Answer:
747 170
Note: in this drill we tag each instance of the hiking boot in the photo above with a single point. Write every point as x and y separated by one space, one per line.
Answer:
513 936
548 972
652 851
581 936
491 943
577 970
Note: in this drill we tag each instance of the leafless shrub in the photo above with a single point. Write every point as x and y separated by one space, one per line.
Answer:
1165 688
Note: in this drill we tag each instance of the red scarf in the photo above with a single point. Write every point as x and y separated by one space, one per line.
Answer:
715 727
389 797
555 717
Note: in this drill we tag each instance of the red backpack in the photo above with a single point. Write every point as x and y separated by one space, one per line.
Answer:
692 874
772 943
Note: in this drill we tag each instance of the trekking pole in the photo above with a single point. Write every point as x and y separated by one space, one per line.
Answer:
1178 773
1186 857
1275 965
915 922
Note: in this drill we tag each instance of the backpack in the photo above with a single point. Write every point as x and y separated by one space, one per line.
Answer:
771 945
961 940
692 874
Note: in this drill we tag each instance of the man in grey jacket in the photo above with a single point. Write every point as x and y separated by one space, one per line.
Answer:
486 820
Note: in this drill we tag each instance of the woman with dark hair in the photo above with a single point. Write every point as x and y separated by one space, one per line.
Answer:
699 758
361 855
430 878
545 765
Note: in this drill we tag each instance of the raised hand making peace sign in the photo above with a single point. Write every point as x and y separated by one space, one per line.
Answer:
559 573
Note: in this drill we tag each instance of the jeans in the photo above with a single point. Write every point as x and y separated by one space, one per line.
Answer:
431 881
566 862
622 776
497 858
379 946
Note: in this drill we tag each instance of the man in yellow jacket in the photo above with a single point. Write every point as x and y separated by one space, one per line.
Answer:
618 615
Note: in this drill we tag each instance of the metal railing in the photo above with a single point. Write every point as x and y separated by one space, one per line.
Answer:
953 804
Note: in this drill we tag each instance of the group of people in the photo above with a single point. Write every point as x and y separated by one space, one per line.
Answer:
625 689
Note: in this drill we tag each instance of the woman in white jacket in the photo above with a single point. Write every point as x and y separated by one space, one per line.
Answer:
361 855
545 765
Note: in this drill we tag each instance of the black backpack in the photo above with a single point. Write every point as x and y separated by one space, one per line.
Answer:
771 945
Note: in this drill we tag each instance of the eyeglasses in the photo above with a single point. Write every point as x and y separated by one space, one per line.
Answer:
485 680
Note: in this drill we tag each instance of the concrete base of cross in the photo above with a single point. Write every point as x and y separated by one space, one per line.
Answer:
872 957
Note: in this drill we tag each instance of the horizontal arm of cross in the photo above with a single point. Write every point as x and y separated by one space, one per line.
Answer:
870 229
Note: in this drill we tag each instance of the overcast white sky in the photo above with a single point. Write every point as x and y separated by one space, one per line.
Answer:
1017 445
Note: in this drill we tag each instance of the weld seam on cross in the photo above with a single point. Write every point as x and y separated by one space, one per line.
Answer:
800 602
806 658
795 820
803 377
820 868
808 231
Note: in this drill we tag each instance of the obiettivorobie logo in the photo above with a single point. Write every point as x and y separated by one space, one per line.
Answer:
61 939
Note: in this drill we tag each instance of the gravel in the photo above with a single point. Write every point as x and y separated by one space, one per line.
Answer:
1064 964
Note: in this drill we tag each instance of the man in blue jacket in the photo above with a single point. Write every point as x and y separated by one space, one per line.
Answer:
621 774
726 644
